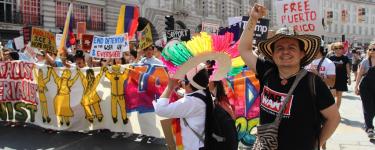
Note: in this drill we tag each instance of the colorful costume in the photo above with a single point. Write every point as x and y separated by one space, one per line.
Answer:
62 99
90 97
117 92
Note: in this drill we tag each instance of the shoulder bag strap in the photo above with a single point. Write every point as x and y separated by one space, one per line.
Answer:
300 75
195 132
320 63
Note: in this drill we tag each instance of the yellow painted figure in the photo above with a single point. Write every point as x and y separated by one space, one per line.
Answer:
42 88
62 98
90 97
117 91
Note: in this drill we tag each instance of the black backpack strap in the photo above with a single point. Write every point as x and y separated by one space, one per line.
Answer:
316 113
201 137
320 63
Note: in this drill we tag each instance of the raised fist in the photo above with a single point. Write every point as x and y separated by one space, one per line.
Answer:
258 11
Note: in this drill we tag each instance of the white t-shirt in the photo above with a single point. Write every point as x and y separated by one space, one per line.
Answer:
327 67
192 109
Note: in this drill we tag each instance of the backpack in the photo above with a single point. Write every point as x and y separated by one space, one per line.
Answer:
224 135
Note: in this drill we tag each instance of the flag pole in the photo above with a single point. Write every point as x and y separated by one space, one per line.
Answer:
62 49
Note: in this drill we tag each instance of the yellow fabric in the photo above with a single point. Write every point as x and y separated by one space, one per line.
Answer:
200 44
120 100
237 62
120 21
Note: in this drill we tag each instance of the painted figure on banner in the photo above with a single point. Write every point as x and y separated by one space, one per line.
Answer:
42 88
90 97
62 99
117 79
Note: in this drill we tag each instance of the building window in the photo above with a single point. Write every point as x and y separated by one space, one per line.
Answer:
61 10
7 7
96 20
30 12
80 13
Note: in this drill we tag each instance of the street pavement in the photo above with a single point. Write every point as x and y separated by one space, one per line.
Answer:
350 135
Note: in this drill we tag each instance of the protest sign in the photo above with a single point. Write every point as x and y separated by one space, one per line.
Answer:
18 41
182 35
109 47
87 42
43 40
30 51
261 30
58 39
81 29
210 27
145 37
26 34
304 16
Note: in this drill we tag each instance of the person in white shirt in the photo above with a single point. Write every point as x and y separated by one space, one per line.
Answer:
327 69
189 108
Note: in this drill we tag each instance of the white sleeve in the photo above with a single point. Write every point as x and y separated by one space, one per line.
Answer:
331 68
182 108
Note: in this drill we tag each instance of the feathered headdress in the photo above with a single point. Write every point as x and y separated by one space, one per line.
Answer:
180 57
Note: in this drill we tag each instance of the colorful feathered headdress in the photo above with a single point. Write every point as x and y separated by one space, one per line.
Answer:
180 57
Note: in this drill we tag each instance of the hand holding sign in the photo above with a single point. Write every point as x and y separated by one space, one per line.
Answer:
258 11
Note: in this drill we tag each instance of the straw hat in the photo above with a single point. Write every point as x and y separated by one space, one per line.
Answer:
311 44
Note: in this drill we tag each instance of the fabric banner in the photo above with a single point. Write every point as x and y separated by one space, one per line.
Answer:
109 47
145 37
43 40
304 16
87 42
99 98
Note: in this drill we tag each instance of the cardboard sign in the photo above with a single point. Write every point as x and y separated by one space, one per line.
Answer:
303 15
145 37
210 28
30 51
26 34
182 35
87 42
58 39
18 41
81 29
43 40
109 47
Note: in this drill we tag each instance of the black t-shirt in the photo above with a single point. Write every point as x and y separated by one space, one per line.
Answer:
340 63
299 127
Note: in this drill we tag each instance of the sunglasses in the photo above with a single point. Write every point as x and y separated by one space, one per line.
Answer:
338 48
373 49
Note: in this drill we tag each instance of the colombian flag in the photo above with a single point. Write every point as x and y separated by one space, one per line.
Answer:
68 38
127 20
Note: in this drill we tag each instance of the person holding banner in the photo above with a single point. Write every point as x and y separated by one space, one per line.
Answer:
90 97
62 99
300 127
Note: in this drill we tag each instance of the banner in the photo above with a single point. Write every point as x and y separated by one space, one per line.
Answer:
210 27
58 39
344 16
87 42
43 40
303 15
38 100
109 47
81 29
178 34
19 42
145 37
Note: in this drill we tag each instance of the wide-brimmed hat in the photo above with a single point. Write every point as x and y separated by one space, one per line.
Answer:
311 44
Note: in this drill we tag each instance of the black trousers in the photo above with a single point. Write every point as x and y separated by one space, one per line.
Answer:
367 93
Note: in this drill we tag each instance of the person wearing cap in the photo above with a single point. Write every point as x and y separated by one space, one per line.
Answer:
189 107
342 64
286 54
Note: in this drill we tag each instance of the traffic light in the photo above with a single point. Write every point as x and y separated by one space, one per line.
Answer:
169 22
